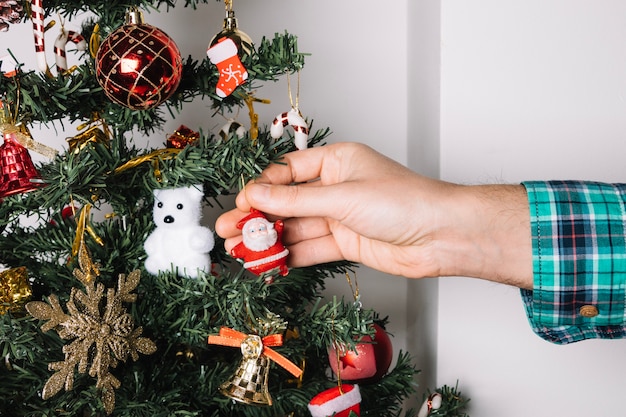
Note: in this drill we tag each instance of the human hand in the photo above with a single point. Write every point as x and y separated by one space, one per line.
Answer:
346 201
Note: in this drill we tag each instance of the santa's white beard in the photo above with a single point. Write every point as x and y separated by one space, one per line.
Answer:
260 243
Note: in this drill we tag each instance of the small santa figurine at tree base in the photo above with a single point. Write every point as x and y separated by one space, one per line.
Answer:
262 249
338 401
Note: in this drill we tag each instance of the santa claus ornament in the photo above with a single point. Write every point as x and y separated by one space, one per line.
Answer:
338 401
262 249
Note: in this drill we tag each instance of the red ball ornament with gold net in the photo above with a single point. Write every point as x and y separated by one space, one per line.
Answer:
138 65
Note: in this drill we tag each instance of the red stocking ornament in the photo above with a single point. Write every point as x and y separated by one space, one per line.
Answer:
224 54
225 51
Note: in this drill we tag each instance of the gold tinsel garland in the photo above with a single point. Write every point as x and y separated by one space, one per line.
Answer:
15 289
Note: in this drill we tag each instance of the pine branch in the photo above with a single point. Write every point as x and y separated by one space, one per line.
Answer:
77 96
453 403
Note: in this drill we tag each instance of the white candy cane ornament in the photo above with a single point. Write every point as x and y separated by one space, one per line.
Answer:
433 402
37 16
297 122
62 40
293 118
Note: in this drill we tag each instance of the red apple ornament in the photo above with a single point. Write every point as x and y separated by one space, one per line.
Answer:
368 362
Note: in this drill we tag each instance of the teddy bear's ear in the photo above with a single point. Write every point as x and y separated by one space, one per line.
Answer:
195 192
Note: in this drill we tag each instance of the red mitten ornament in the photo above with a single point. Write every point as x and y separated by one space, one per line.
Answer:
224 54
336 402
261 249
368 363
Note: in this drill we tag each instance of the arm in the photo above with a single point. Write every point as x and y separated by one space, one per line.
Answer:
350 202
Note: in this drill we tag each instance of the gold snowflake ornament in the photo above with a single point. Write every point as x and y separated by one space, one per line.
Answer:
102 332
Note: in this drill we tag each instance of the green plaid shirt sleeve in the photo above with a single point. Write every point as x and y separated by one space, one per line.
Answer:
579 260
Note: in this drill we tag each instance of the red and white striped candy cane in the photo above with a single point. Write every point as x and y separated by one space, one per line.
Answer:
59 47
37 16
295 120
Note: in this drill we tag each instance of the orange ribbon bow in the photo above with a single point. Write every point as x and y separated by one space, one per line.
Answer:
234 338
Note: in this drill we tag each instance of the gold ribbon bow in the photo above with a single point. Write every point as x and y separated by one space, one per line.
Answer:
154 157
22 136
234 338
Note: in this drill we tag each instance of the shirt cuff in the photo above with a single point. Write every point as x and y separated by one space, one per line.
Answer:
579 260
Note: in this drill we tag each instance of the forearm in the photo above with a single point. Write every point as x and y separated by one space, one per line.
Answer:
487 234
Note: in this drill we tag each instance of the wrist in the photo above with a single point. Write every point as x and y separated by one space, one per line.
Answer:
488 234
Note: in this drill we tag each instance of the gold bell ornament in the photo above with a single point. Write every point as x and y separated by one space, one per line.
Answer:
249 382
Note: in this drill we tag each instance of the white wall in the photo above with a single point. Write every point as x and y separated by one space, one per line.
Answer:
530 90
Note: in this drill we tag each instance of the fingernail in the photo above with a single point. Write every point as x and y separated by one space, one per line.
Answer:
258 192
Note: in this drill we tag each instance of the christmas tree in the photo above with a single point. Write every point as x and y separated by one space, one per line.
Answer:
90 326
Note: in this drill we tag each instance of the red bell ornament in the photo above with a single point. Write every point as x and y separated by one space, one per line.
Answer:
19 174
138 65
368 362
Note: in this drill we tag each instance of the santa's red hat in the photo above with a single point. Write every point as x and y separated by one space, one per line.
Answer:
337 402
254 214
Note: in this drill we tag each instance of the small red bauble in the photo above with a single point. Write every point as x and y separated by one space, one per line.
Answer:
368 363
138 65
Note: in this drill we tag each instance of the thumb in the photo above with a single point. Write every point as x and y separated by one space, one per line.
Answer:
292 200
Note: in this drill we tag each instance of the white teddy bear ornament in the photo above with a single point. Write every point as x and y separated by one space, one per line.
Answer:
179 243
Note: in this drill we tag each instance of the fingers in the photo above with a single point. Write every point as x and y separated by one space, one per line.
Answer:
296 230
277 202
298 167
226 224
314 251
309 240
330 164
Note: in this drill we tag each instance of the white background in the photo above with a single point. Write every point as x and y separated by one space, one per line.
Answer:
478 91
